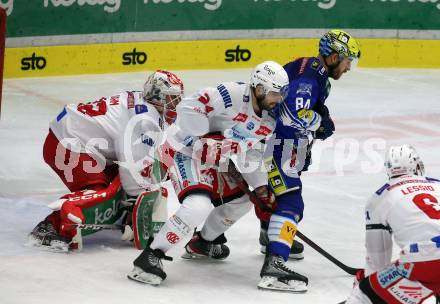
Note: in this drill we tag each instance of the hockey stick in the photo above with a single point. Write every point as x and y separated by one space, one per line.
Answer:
98 227
238 179
347 269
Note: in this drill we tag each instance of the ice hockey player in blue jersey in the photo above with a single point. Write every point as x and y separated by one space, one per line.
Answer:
302 118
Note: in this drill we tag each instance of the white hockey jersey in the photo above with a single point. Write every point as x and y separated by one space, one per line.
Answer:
121 128
407 207
226 110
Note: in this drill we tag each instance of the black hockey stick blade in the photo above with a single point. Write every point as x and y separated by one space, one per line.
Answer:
347 269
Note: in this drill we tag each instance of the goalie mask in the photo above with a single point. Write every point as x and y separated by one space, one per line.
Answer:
164 90
403 160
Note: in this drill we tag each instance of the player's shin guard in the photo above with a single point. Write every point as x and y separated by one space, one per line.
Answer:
281 234
194 209
224 216
296 251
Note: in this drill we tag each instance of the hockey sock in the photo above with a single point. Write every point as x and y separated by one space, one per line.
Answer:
224 216
281 234
194 209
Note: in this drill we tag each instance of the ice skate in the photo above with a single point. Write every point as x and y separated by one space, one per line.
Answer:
148 267
44 236
199 248
275 275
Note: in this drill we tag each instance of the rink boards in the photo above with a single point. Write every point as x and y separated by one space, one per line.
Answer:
41 61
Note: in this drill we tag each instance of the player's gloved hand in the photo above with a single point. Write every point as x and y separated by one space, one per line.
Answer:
266 204
327 126
360 275
326 129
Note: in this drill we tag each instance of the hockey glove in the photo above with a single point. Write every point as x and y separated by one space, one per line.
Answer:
326 128
266 203
360 276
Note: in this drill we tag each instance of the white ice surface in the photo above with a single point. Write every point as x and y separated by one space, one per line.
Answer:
376 107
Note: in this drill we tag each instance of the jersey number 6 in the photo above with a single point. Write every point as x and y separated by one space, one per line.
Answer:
428 204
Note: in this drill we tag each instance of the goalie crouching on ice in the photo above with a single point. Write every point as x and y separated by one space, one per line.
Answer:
103 151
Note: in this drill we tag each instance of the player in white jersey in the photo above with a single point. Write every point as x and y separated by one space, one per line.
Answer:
407 206
95 147
239 116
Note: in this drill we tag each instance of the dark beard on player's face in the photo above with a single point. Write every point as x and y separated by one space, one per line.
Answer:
261 104
333 71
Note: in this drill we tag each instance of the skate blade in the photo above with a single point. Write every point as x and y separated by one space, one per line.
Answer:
55 247
292 256
139 275
201 257
272 283
194 256
296 256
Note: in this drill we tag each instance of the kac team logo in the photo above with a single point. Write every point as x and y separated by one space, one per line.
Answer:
134 57
237 54
33 62
172 237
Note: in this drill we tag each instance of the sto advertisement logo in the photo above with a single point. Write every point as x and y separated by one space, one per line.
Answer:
237 54
33 62
134 57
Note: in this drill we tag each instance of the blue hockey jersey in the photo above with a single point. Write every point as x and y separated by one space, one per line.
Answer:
309 87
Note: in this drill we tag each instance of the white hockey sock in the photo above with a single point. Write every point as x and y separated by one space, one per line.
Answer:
194 209
224 216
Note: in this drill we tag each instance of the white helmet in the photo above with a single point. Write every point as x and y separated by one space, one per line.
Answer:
403 160
158 86
271 76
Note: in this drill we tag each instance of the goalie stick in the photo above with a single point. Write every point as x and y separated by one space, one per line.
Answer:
238 179
98 227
